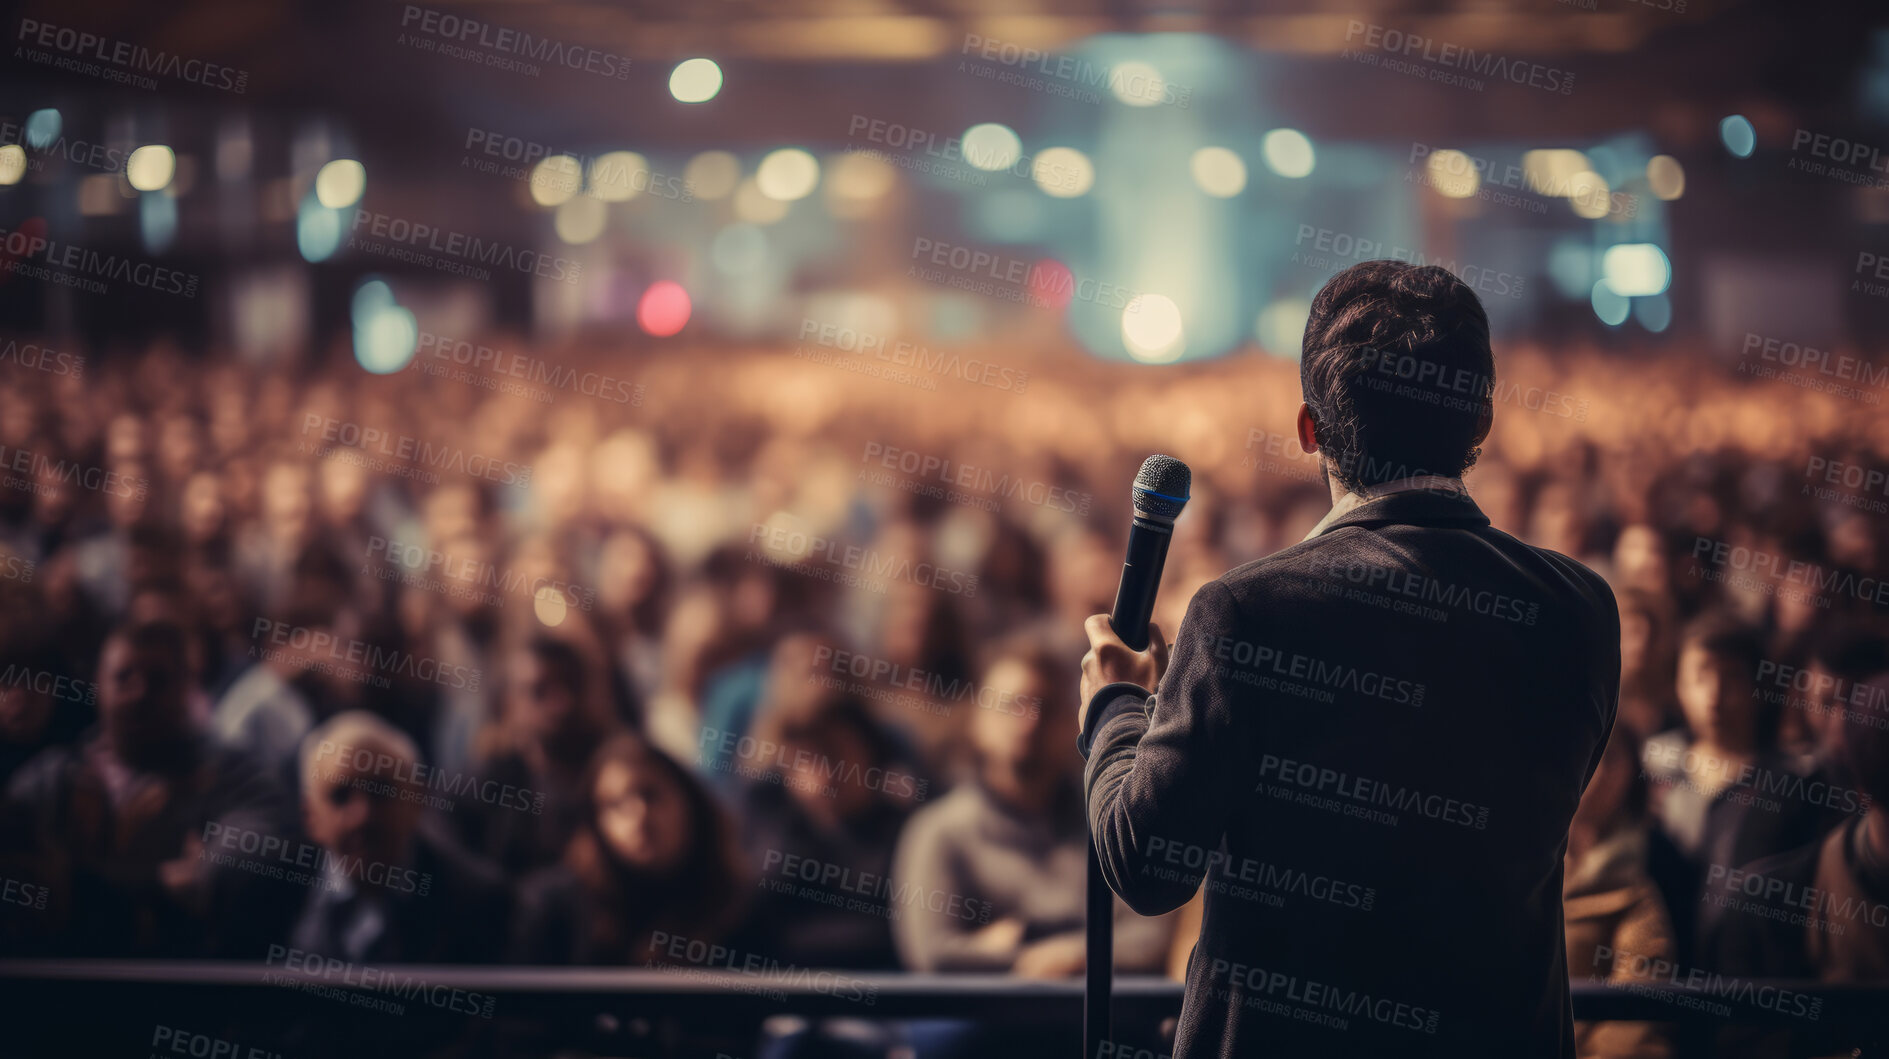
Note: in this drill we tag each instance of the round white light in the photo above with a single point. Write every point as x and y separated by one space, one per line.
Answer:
695 81
581 220
1666 177
1636 270
12 164
555 180
1151 328
1218 172
787 175
1063 172
1453 174
340 183
1289 153
619 176
151 167
992 147
712 174
1137 83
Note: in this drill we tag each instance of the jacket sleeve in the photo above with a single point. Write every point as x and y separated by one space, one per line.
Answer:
1160 779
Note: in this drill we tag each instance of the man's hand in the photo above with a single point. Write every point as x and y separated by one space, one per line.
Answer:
1110 661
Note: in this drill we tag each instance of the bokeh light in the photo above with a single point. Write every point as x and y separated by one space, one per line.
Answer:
1137 83
151 167
1738 136
554 180
712 175
1063 172
1666 177
618 176
1289 153
695 81
12 164
1152 329
581 220
1453 174
1218 172
991 147
1636 270
341 183
787 175
1609 305
664 309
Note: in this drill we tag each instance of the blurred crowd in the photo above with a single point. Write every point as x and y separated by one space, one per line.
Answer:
747 649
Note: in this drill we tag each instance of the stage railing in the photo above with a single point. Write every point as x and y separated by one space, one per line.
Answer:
727 997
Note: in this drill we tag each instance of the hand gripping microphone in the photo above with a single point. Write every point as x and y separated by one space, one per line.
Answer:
1160 492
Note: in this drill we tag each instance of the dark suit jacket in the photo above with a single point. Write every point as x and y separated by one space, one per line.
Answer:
1368 746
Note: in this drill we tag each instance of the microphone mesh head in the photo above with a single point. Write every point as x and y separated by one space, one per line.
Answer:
1161 487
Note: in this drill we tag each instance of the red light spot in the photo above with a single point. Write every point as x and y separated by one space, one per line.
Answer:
664 309
1051 283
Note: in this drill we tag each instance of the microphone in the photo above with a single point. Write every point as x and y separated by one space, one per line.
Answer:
1160 492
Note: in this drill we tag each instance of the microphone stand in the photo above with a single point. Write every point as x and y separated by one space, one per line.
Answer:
1099 928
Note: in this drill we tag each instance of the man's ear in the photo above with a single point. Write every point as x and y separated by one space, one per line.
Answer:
1484 420
1308 431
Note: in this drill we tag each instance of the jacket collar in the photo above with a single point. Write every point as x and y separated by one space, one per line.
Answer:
1427 501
